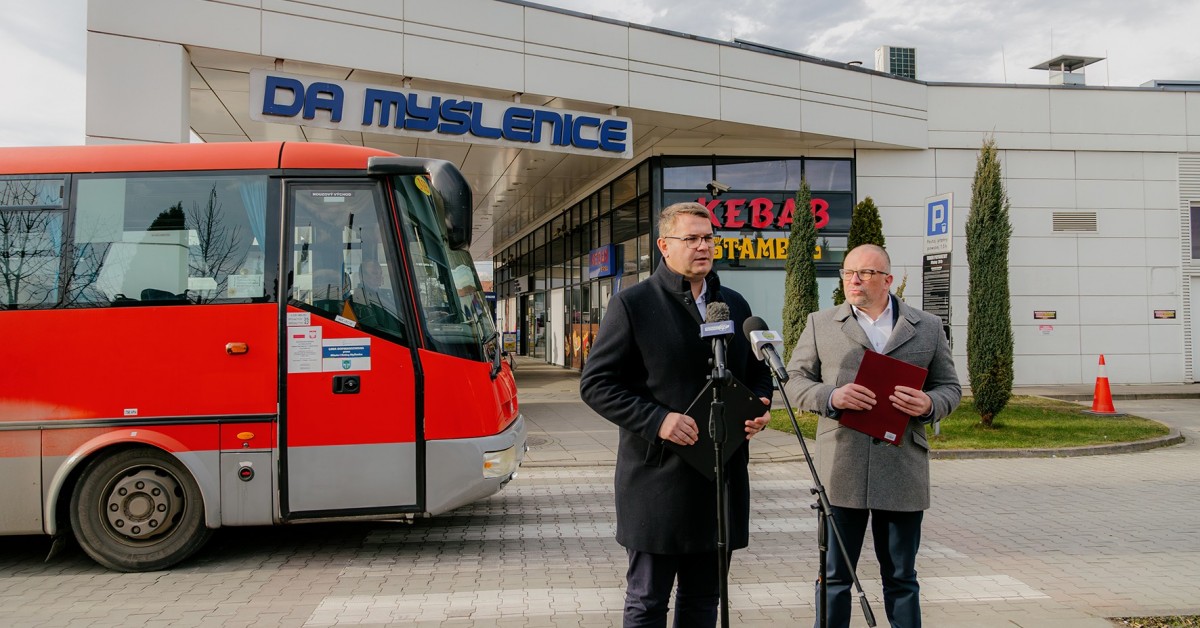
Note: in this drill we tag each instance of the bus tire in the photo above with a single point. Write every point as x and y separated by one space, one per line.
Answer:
138 510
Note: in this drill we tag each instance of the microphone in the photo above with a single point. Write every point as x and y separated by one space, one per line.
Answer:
718 327
766 344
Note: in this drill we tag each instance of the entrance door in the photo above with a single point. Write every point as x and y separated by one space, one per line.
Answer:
349 435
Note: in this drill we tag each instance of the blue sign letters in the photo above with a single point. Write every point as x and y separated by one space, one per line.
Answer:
321 102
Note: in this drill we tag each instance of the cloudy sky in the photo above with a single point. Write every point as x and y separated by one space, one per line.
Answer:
42 43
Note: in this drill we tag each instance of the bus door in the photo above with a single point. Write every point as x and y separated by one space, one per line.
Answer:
348 430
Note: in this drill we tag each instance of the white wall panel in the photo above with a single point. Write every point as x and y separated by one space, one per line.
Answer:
464 63
958 163
1100 252
900 130
1046 370
897 191
1094 193
332 43
1162 223
1161 194
1166 368
1120 222
498 19
1107 112
1162 166
1094 165
1166 336
894 163
577 81
1051 193
913 97
1061 340
1163 251
750 107
823 79
1114 339
1040 164
816 117
1039 252
193 22
989 109
136 90
571 33
1043 281
973 140
657 93
1113 310
1113 280
761 68
677 52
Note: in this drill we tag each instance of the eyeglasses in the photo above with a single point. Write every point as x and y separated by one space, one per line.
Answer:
865 274
693 241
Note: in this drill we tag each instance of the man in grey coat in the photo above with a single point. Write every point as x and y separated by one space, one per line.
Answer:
867 478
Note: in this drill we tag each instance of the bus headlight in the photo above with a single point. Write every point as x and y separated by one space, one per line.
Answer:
499 464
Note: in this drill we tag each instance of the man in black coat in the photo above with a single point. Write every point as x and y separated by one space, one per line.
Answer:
647 365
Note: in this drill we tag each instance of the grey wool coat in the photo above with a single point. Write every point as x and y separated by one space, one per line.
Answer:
857 470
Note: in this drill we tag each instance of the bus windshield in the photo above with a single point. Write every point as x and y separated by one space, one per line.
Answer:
458 319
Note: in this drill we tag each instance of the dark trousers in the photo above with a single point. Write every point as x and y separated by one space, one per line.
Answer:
897 537
648 590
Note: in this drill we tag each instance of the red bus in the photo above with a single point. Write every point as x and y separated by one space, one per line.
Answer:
210 335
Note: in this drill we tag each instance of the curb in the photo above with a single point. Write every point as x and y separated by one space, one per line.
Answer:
1171 439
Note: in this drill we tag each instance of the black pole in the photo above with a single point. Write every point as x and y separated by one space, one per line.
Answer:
716 430
825 518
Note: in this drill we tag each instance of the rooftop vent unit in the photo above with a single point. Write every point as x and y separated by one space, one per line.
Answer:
1063 69
897 61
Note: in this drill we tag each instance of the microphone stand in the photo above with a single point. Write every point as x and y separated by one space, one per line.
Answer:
825 521
716 430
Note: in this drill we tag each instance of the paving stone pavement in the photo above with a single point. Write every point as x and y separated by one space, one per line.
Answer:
1061 542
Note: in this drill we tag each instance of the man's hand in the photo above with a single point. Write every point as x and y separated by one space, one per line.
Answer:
852 397
679 429
755 426
911 401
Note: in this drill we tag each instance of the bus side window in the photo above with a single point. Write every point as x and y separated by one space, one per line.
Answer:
162 240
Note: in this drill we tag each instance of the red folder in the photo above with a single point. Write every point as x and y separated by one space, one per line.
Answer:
882 374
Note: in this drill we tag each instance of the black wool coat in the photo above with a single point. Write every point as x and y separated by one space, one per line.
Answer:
648 359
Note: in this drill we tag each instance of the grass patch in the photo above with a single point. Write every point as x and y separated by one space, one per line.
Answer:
1027 422
1174 621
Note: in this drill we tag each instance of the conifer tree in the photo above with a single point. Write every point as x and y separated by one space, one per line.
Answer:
866 227
800 296
989 319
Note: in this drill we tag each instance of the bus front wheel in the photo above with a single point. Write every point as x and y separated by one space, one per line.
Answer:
138 510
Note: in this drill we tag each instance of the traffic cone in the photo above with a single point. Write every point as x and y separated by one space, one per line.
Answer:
1102 403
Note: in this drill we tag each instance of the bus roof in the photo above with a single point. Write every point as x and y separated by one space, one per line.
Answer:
184 157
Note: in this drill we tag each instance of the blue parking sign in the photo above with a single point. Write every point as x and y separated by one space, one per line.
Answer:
938 213
939 234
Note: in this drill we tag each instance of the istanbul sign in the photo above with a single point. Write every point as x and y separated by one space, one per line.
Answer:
361 107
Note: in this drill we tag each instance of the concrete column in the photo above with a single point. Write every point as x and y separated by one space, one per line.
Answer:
137 90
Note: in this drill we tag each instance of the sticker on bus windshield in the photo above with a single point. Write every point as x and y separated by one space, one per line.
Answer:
422 185
299 319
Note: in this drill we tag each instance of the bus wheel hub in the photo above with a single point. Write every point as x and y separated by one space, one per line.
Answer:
142 504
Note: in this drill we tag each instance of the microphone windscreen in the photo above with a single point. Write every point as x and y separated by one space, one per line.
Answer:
754 323
716 313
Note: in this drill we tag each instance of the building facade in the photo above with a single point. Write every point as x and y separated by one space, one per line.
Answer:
575 131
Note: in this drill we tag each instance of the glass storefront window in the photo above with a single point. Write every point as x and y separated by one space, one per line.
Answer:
827 174
758 175
682 173
624 189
